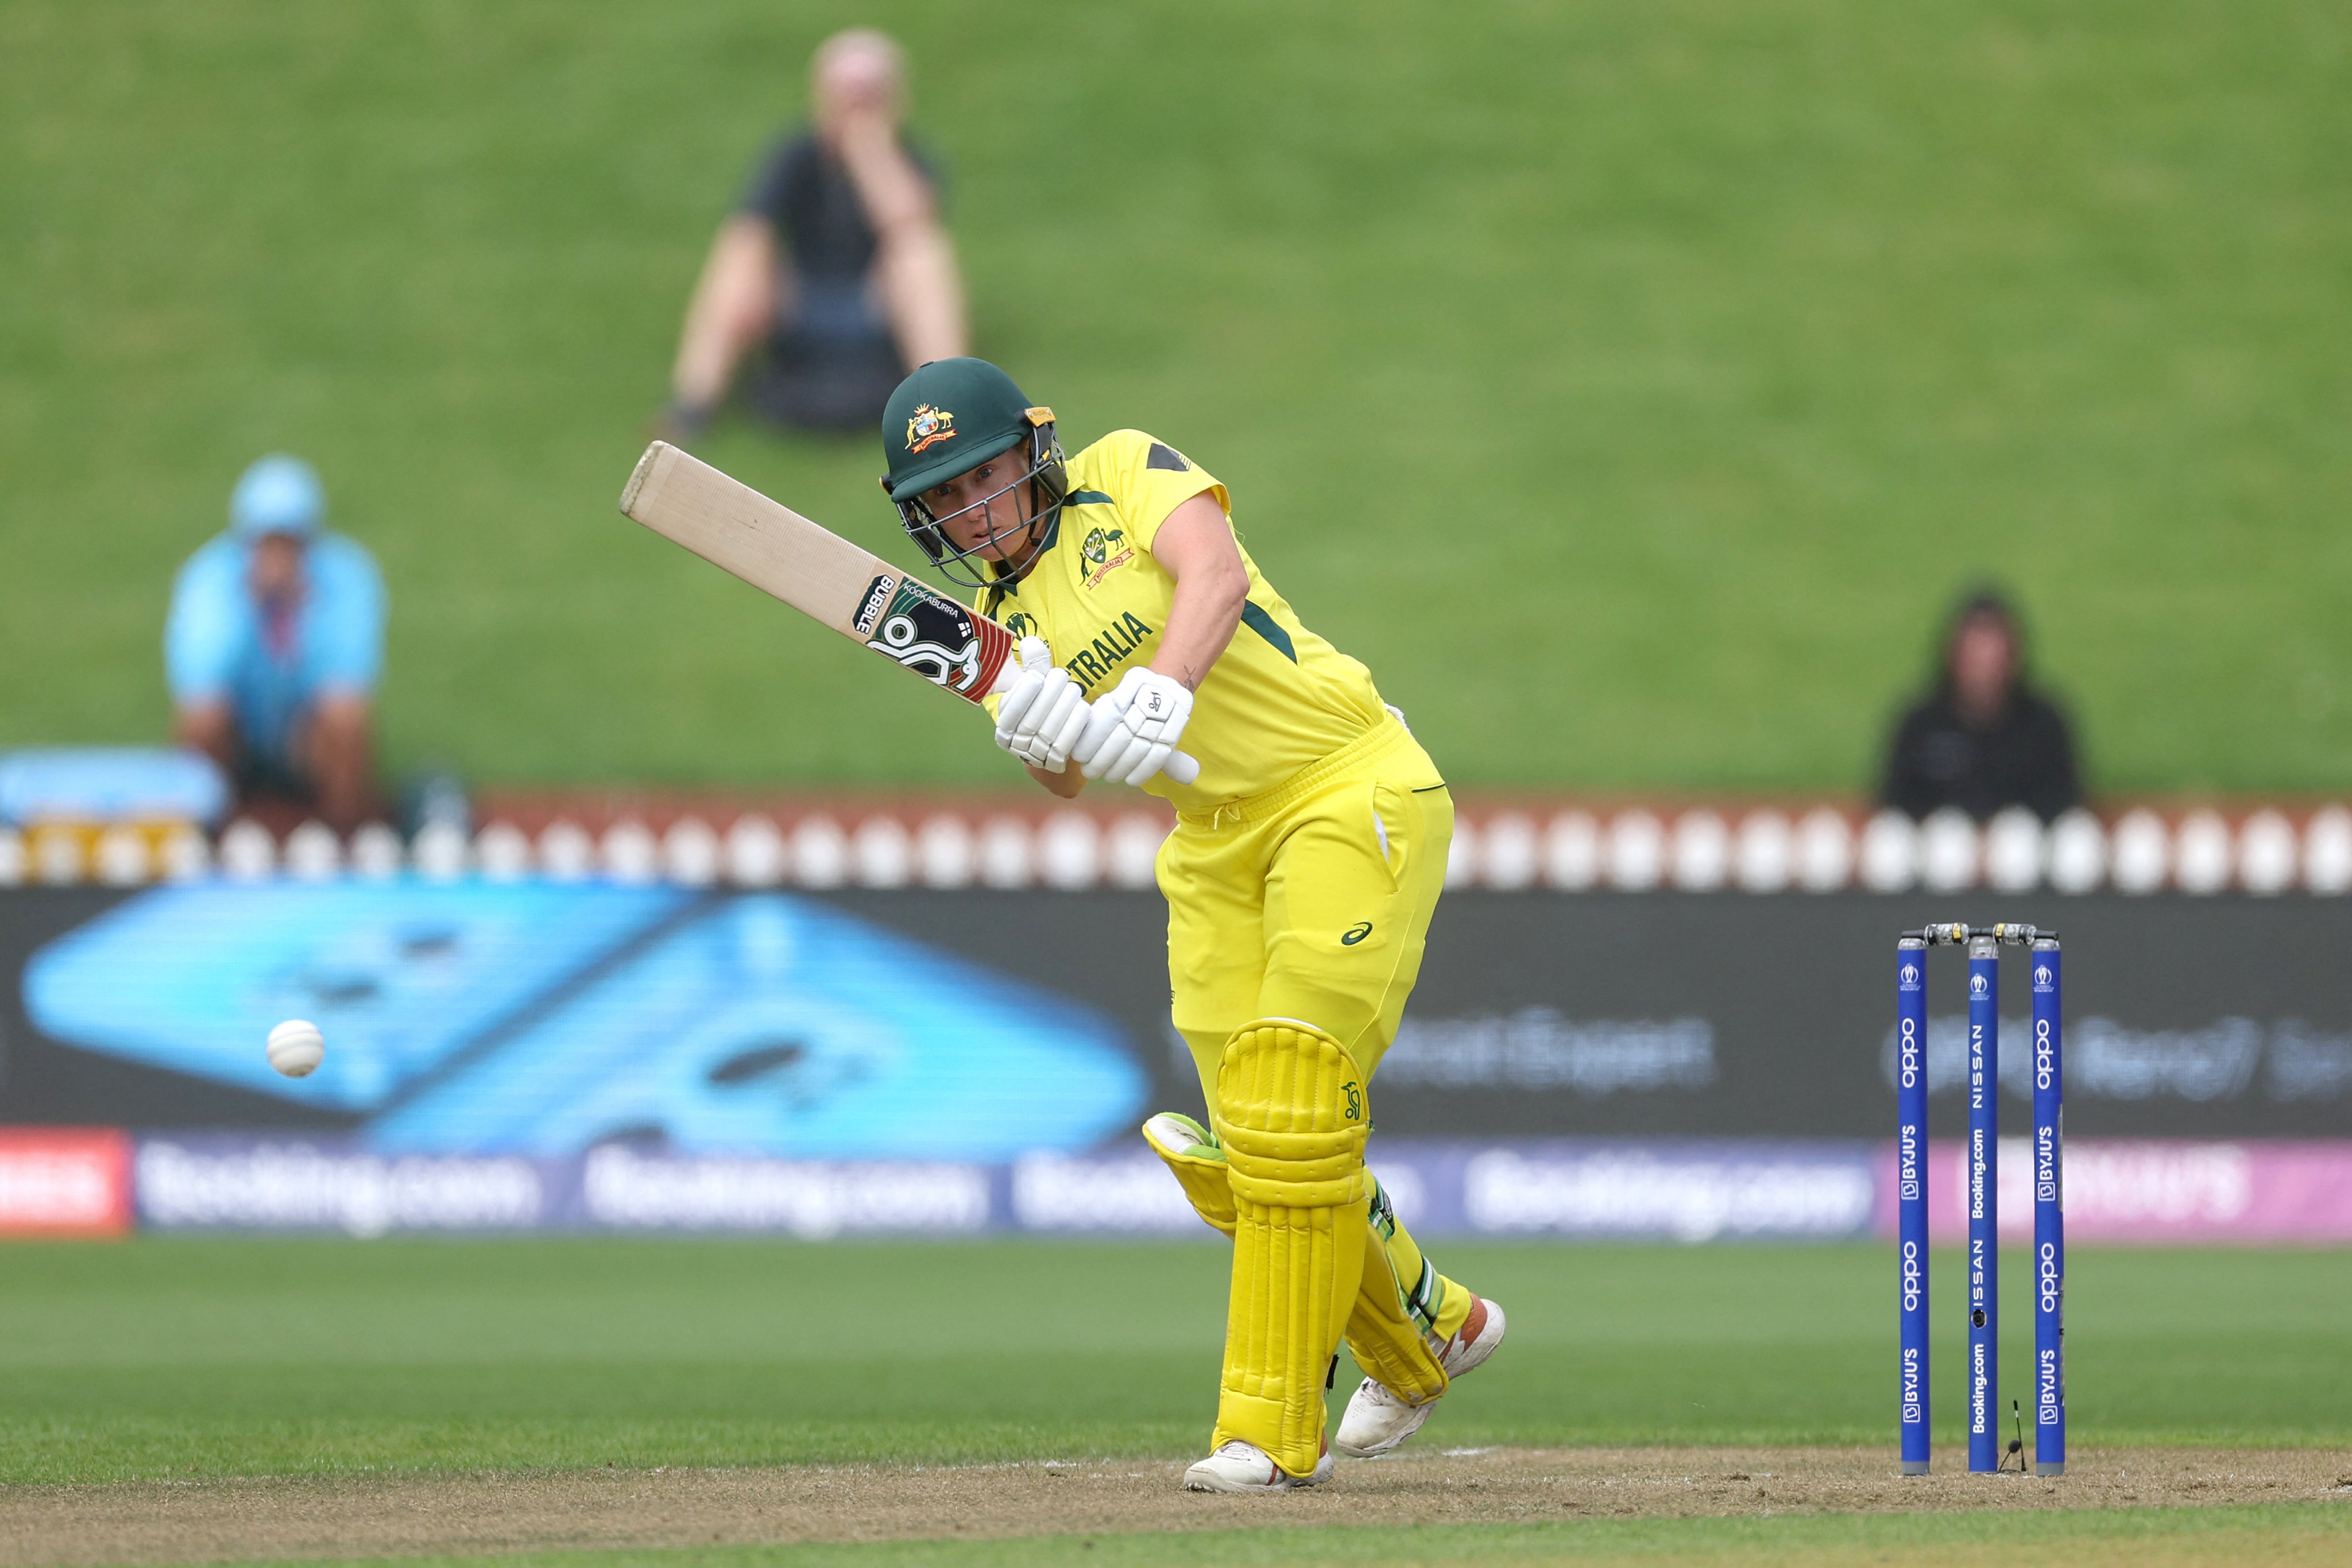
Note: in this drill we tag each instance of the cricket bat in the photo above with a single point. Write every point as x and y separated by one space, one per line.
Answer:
826 578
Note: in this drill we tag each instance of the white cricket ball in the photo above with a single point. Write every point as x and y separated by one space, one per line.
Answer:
296 1047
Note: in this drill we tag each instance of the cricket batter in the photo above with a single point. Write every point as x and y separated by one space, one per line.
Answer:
1306 863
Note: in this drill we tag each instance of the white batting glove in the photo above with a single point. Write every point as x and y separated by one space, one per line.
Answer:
1131 731
1042 711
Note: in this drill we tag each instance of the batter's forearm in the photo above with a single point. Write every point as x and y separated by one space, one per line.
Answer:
1066 783
1202 620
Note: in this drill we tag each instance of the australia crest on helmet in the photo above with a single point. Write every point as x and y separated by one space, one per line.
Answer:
927 426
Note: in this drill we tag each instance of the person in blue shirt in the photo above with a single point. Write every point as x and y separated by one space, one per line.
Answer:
274 647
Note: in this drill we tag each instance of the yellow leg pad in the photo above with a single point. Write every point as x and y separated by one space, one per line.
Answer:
1199 1164
1431 1299
1292 1117
1382 1336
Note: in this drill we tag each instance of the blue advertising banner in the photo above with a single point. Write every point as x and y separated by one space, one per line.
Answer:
1623 1189
2133 1192
526 1020
543 1020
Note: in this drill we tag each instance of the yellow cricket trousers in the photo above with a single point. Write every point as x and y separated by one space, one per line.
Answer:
1312 903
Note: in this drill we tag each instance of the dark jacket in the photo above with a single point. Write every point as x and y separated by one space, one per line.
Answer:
2026 759
805 195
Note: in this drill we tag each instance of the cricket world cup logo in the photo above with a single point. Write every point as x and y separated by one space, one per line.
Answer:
1978 985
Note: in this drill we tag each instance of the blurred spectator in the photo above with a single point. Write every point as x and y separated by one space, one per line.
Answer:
274 646
866 286
1982 739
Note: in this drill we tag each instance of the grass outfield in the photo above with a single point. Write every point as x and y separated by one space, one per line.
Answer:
2149 1538
1629 385
167 1358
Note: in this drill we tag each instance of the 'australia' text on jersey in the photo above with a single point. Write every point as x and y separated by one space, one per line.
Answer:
1111 647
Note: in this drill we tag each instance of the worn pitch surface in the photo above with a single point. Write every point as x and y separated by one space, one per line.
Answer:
205 1520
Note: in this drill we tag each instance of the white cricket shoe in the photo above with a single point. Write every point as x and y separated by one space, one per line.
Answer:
1246 1466
1378 1422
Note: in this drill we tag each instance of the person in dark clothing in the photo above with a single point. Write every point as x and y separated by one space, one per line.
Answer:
835 271
1983 739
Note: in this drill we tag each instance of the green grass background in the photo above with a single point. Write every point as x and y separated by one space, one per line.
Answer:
229 1357
2285 1534
1631 385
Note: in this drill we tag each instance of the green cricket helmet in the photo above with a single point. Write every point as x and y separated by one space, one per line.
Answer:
948 418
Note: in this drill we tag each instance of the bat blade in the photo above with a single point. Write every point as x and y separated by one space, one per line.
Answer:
818 573
824 576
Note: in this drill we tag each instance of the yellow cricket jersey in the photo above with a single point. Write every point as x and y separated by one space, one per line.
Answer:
1278 699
